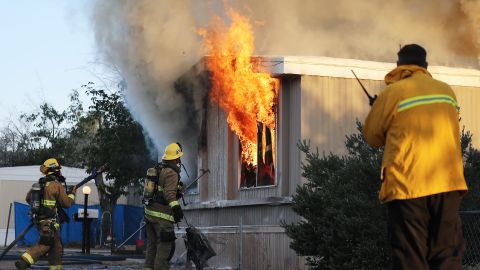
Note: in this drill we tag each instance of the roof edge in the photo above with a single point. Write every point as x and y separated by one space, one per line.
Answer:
371 70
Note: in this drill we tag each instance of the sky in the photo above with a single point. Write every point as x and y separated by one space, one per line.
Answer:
47 49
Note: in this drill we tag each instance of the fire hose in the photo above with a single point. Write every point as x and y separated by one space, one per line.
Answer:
22 234
20 237
143 224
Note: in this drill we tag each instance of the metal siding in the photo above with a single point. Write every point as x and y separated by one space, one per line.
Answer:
263 255
192 198
294 118
259 192
330 108
282 166
468 100
265 244
251 215
232 184
256 253
217 155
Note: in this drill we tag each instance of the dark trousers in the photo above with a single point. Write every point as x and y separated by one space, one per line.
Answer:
426 233
160 245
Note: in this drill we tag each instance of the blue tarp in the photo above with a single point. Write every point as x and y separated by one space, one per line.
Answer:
126 220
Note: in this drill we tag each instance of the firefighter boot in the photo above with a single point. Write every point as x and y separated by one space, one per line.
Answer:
21 265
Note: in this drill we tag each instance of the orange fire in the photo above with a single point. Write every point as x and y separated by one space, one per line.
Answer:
248 97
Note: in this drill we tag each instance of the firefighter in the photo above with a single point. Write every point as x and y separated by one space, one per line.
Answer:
44 203
416 118
162 209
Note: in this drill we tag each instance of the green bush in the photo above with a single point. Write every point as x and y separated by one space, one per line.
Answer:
343 224
471 161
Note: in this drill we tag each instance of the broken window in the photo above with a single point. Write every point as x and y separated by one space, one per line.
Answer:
262 173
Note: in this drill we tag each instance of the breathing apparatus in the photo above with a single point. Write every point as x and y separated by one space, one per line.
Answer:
36 198
150 185
152 192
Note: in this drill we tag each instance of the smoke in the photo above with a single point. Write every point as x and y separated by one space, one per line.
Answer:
369 30
152 43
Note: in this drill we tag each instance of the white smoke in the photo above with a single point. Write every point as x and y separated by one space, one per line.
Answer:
153 42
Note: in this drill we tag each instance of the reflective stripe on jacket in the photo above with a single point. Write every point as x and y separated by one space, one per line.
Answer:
416 118
167 183
54 193
159 215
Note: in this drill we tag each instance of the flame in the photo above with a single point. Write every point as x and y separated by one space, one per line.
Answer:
248 97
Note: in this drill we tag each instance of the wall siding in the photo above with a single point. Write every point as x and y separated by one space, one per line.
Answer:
330 107
320 109
295 123
250 215
217 153
468 100
246 235
246 248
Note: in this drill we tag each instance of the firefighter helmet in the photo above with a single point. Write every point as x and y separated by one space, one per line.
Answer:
172 151
50 166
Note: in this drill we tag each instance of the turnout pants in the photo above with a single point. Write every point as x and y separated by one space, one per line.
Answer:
160 245
426 233
49 242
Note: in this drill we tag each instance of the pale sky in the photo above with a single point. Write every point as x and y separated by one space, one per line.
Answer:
46 50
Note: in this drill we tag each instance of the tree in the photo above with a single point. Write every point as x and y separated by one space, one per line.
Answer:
343 225
50 134
104 133
115 138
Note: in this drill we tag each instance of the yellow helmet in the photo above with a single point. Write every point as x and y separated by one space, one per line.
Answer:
172 151
50 166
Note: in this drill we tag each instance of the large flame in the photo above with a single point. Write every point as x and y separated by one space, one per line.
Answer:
248 97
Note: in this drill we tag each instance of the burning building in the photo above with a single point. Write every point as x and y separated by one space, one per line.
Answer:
256 110
241 116
242 201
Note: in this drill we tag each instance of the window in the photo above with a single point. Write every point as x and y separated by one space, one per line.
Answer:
263 172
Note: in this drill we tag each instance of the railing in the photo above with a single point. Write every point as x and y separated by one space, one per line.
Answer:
471 233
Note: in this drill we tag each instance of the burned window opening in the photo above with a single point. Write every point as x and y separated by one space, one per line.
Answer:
263 173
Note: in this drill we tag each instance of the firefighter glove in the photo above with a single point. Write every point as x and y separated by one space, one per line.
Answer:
177 213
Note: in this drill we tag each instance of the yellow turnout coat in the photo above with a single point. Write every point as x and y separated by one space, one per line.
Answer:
416 118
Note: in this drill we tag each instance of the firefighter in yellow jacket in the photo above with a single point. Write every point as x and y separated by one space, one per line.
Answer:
51 194
416 118
162 209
